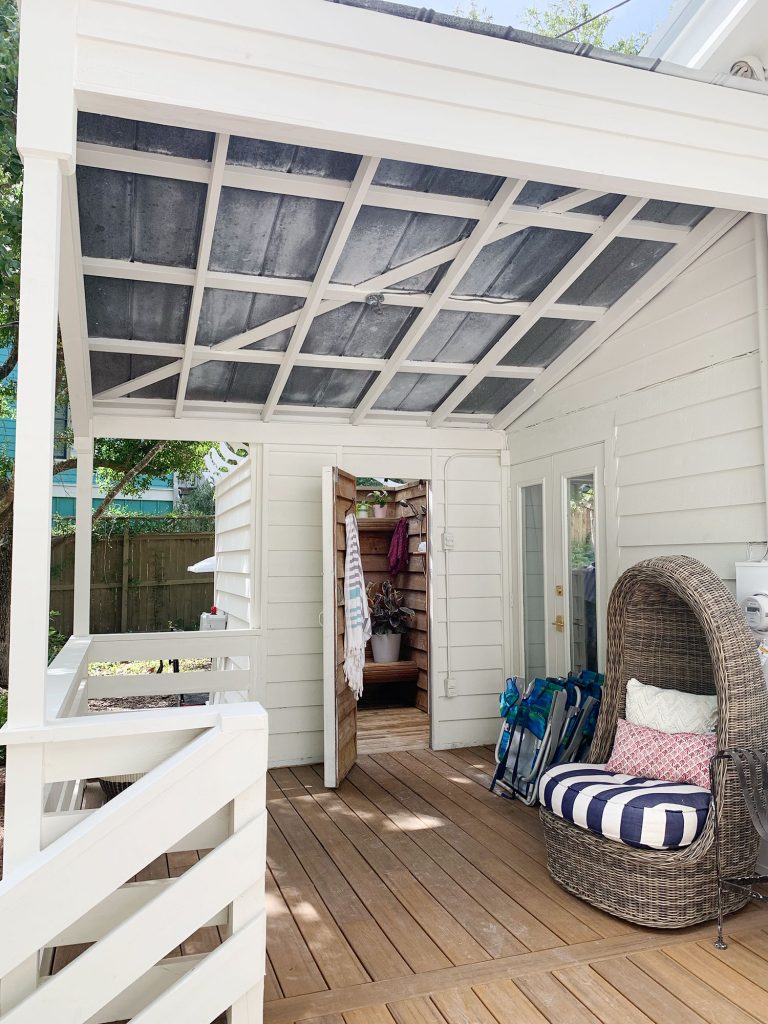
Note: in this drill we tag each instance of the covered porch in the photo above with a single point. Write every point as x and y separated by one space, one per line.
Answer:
345 240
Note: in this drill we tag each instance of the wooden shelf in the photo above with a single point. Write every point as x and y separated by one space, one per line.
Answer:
377 524
390 672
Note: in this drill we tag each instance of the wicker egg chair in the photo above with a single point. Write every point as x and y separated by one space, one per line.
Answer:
672 623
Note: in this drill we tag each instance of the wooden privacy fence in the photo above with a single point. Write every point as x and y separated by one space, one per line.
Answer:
139 582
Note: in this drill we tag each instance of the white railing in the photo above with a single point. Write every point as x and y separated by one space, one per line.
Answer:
201 787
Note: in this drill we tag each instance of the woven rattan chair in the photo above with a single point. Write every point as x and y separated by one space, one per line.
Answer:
672 623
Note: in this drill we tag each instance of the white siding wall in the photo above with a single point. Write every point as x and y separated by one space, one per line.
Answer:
234 557
288 585
675 396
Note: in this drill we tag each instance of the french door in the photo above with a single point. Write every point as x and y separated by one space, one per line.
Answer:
558 563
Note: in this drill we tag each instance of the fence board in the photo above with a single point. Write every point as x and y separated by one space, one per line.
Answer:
139 582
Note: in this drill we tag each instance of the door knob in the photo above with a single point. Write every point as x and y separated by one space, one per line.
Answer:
559 624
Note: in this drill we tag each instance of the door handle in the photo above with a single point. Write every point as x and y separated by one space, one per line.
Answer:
559 624
320 619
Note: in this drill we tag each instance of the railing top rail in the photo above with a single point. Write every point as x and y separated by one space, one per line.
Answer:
172 635
66 671
226 717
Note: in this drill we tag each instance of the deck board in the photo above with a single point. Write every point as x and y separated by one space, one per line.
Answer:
411 895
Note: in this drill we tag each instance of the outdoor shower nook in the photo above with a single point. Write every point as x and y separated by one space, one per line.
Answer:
474 316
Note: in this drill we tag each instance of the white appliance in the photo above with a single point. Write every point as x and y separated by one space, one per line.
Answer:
214 619
756 612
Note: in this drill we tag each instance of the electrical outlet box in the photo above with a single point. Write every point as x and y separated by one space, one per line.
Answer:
451 687
448 541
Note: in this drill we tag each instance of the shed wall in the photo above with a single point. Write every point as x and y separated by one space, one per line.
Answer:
675 395
291 590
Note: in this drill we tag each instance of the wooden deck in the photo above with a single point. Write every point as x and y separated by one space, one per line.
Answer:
413 896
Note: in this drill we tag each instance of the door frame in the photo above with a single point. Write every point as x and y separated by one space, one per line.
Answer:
553 471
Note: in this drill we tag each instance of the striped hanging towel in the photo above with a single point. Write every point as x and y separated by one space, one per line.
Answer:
357 621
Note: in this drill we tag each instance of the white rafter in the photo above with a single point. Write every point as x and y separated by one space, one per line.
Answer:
570 201
704 235
312 187
538 308
341 231
479 237
218 164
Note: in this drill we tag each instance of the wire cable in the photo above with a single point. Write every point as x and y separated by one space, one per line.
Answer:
589 21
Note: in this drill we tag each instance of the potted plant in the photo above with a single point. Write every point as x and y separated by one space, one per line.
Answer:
379 500
362 508
389 620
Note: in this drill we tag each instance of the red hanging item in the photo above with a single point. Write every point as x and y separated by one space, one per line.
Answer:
398 549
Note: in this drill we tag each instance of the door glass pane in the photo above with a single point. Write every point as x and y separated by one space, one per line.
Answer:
534 624
581 559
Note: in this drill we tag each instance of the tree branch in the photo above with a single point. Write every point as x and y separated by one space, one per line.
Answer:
9 364
130 475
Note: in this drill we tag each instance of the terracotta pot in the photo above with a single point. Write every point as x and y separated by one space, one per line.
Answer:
380 511
386 646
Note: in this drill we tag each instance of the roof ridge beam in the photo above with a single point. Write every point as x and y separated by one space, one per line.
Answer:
565 277
341 232
480 236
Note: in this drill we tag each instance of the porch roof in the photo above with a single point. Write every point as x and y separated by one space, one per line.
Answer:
289 246
278 278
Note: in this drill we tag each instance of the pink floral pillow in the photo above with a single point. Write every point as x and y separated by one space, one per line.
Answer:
668 757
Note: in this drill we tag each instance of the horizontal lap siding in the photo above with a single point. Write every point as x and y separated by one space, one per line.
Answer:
678 388
293 591
293 603
467 494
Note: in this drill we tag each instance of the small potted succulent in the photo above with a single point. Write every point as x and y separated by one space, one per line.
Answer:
379 500
390 618
362 510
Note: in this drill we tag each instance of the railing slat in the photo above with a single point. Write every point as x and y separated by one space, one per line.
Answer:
138 943
79 870
155 684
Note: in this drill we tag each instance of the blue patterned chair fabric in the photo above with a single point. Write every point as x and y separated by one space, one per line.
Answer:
643 813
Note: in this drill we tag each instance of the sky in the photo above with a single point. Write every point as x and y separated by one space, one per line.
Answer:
635 16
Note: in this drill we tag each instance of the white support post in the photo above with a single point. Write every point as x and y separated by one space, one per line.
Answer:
30 577
246 807
83 533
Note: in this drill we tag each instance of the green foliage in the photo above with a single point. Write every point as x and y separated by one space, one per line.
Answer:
388 611
118 520
56 640
473 12
378 498
560 15
201 500
183 457
10 166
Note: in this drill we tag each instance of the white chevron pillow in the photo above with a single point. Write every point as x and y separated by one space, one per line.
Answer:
670 710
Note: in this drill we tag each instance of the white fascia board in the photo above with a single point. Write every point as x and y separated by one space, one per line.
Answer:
354 80
194 426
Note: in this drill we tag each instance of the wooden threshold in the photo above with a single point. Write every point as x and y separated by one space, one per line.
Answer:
384 729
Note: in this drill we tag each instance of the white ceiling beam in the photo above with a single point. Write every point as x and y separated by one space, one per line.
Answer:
212 197
478 238
670 266
549 215
573 269
341 232
125 346
340 293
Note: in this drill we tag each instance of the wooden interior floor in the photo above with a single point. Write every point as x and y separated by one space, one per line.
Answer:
412 895
383 729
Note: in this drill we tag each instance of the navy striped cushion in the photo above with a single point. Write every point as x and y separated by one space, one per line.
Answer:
639 812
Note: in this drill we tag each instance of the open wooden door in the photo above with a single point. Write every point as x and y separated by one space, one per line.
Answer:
339 704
